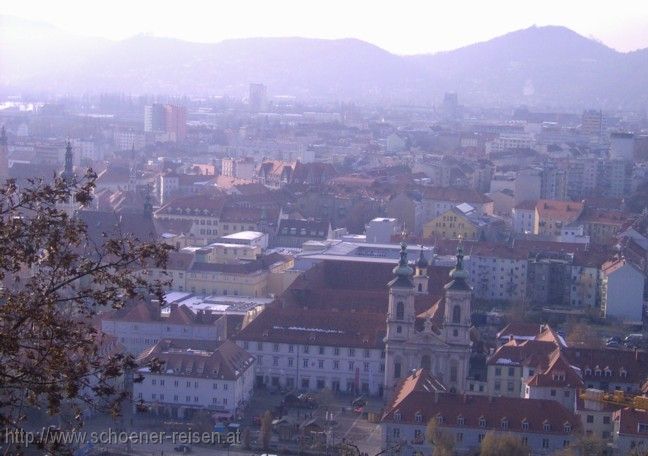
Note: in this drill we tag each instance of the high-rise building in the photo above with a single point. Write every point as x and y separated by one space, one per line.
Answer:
592 123
154 118
176 121
258 97
166 118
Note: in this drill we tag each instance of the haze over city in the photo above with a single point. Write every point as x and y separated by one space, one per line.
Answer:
411 27
324 228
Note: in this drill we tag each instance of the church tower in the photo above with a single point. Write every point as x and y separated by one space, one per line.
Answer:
68 176
4 154
68 171
458 297
401 316
421 277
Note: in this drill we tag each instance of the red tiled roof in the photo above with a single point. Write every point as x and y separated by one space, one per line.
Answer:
410 400
629 420
200 205
559 374
634 363
215 360
316 327
567 211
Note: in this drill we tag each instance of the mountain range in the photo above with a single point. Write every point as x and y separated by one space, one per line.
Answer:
537 66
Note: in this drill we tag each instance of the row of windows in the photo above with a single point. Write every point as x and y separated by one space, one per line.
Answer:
459 437
187 400
188 384
306 363
337 351
504 422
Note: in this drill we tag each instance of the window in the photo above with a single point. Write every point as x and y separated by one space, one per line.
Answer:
336 364
400 310
504 424
460 420
260 346
305 362
153 381
590 418
525 425
482 422
396 431
305 383
215 386
321 350
290 362
565 443
498 385
418 417
336 351
498 371
397 370
606 420
459 437
275 360
306 348
275 347
480 437
456 314
367 353
351 365
291 348
545 443
553 393
366 367
320 363
546 426
511 371
397 416
567 427
351 351
225 386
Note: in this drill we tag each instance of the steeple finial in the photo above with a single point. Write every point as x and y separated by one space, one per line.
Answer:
458 272
403 269
422 263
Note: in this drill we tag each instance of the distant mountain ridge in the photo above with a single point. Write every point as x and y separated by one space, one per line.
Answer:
536 66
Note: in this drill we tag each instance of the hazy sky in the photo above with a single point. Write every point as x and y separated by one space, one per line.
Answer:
400 26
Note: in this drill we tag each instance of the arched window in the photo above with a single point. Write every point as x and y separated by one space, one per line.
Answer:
420 287
400 310
456 314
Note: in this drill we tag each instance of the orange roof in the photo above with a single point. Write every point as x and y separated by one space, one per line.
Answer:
567 211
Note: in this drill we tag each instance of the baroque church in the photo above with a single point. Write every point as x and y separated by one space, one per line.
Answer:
438 339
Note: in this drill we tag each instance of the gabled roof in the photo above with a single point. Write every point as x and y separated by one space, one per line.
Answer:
559 374
199 359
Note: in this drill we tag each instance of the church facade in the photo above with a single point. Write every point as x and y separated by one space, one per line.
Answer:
437 340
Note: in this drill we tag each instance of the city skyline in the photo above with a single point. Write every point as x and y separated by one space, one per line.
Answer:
412 28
